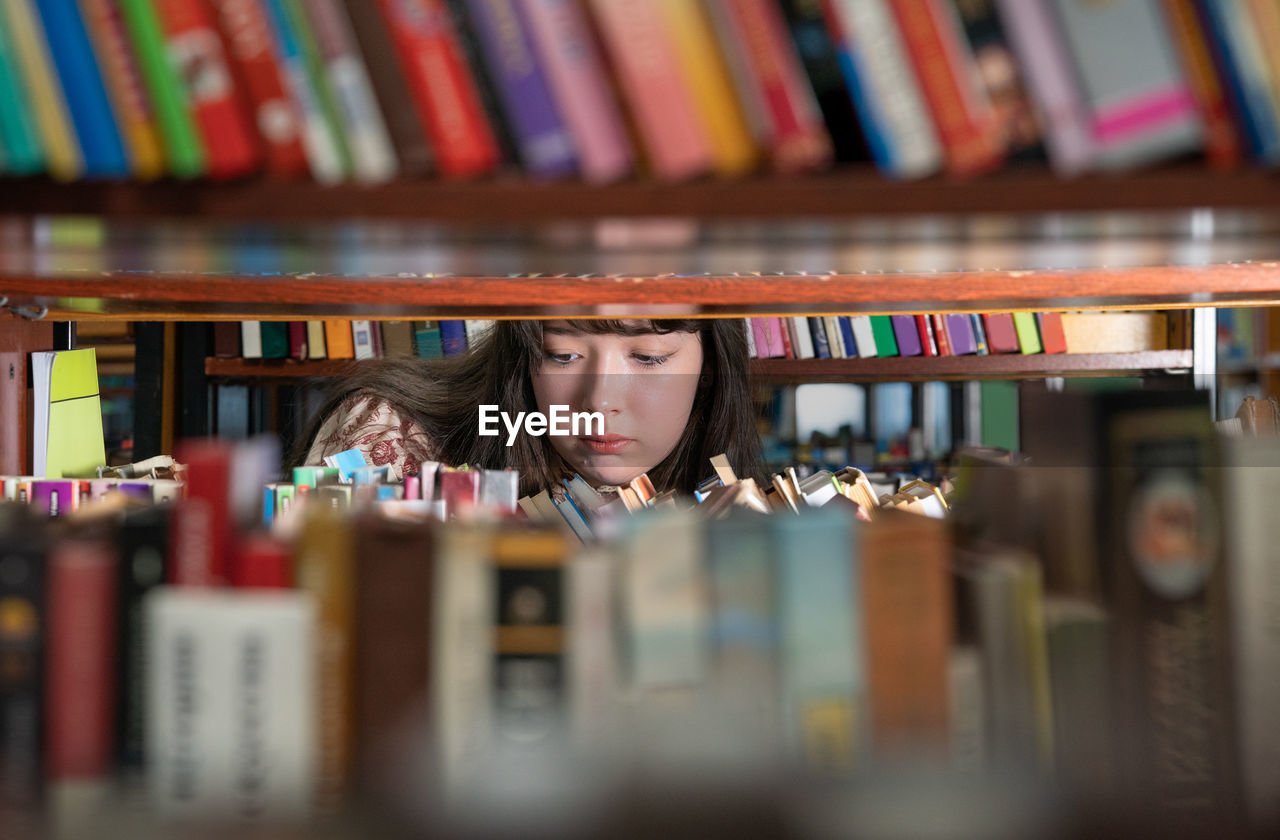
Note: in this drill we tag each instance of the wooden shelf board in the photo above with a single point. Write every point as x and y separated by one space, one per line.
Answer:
205 296
812 370
850 191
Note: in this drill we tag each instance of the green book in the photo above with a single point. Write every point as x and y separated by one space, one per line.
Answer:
1028 332
318 79
19 141
182 144
882 329
275 339
999 403
66 426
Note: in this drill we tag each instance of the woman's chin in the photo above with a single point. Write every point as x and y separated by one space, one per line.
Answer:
610 475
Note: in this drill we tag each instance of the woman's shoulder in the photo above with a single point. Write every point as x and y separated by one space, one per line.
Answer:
385 433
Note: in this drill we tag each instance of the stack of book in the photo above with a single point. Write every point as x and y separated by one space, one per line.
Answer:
341 339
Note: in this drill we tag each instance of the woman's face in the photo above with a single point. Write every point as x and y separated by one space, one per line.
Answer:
644 385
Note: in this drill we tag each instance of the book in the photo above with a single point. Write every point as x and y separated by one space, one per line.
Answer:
886 343
1024 323
815 45
67 435
1001 77
1052 337
1115 332
19 136
22 644
144 547
1002 335
337 340
906 335
52 117
1223 144
1242 68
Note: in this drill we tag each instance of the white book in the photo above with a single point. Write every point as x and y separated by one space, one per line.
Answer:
231 703
251 339
752 353
803 343
864 336
890 90
362 339
476 329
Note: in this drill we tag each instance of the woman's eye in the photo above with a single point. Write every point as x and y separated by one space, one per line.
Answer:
560 358
646 359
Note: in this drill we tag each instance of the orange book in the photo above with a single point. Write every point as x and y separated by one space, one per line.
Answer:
907 607
1222 145
337 340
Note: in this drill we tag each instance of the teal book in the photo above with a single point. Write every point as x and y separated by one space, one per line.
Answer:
18 137
275 339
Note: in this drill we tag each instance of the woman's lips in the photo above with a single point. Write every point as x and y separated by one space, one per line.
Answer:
606 444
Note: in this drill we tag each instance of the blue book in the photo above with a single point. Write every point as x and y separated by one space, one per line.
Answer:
82 85
453 337
427 344
1244 74
821 349
846 335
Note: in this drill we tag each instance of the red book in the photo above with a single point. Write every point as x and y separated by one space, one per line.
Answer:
253 63
298 340
940 332
1052 338
1002 336
194 46
443 91
784 330
201 540
756 36
80 680
928 343
263 563
460 490
966 122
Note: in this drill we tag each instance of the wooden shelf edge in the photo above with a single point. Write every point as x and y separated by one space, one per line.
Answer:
897 368
856 190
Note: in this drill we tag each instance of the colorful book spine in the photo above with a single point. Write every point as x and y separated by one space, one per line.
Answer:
821 348
864 337
1002 336
1024 323
1051 76
960 335
886 342
53 120
325 154
1001 78
453 337
543 140
128 98
1223 146
1052 337
772 74
816 47
19 134
183 147
886 95
249 43
579 82
940 332
906 335
1245 74
645 58
373 158
716 104
85 92
194 47
928 341
948 78
1145 112
443 91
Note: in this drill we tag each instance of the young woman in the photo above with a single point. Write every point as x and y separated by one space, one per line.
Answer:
672 393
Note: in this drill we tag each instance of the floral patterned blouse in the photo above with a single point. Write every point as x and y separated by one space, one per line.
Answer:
375 427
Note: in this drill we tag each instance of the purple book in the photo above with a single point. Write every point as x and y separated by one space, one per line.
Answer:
960 331
54 497
904 329
545 145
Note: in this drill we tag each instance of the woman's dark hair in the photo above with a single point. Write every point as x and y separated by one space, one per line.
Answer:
444 395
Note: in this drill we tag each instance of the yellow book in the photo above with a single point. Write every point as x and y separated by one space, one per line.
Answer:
732 147
124 88
53 120
66 429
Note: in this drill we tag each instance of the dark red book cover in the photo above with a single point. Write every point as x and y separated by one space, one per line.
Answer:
1002 336
1052 338
298 340
928 342
940 332
201 541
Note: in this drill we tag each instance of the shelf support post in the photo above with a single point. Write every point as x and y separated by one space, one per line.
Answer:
1204 354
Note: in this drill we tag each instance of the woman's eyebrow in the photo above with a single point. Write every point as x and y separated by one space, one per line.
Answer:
560 331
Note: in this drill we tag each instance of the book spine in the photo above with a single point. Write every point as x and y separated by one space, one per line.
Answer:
80 687
85 93
864 336
128 99
928 342
316 347
906 334
337 340
716 104
802 340
373 158
183 147
453 337
200 540
1002 336
53 120
22 692
947 75
298 340
194 46
1052 339
821 348
886 341
545 145
144 545
1222 143
1024 323
249 45
798 138
885 92
19 133
1051 75
444 92
1244 72
578 79
940 332
816 47
644 55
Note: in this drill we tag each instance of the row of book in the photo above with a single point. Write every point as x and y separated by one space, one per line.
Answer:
602 88
341 339
812 642
960 334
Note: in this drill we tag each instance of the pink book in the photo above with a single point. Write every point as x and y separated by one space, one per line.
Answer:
644 53
761 337
773 333
563 42
1050 73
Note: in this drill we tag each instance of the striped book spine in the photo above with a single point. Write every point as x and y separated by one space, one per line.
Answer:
1223 147
19 134
579 82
